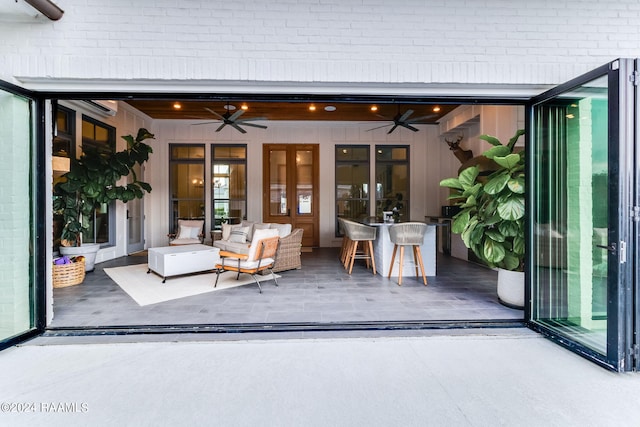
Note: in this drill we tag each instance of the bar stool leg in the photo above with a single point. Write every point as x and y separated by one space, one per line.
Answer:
373 260
424 277
393 258
400 265
353 255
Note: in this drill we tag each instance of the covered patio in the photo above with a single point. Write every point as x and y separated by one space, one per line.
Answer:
321 293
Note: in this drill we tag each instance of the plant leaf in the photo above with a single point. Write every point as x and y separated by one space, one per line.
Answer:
510 262
512 209
490 139
460 222
496 183
451 183
499 151
516 185
468 177
509 161
493 251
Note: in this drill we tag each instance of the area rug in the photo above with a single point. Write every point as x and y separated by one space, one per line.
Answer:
146 289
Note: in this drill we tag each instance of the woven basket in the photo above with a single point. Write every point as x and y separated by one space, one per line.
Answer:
68 274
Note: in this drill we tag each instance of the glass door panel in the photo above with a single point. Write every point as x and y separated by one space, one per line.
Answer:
579 218
571 214
304 182
278 183
17 296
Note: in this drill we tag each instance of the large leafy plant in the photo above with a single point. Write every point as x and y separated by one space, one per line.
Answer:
92 180
491 219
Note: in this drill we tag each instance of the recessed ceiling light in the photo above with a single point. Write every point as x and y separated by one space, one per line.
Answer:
330 108
312 107
436 109
177 106
244 107
229 107
374 108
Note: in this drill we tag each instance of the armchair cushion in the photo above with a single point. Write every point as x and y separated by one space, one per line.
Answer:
283 229
257 236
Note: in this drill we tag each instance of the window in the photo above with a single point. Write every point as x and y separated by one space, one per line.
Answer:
99 136
229 184
352 182
64 148
186 177
392 180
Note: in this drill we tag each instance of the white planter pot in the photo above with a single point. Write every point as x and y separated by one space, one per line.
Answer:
87 250
511 288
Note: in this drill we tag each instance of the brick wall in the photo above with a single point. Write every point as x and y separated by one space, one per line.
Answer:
373 41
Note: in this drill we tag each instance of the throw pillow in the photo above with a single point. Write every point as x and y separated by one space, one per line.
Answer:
257 236
239 234
226 231
283 229
187 232
249 224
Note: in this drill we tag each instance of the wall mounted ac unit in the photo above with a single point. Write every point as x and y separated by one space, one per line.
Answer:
106 108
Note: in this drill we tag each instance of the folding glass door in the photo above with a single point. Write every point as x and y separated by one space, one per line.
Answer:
581 166
19 255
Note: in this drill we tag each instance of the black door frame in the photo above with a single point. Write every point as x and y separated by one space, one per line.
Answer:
620 305
38 212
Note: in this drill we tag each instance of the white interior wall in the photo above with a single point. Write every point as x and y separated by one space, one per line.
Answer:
425 152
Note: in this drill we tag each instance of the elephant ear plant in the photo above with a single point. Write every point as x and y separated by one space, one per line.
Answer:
491 219
92 180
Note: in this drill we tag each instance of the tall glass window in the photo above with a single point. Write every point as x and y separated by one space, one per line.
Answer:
392 181
229 184
186 176
101 137
64 144
17 250
570 216
352 181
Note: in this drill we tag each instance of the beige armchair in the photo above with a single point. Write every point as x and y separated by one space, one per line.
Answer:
189 232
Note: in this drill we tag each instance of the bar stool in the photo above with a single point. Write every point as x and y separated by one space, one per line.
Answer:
345 240
407 234
357 233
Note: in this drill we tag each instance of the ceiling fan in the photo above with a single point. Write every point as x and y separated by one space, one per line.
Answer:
233 120
404 121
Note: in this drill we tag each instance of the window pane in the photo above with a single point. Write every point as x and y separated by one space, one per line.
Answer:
187 183
352 153
88 130
229 182
304 173
228 152
352 182
392 181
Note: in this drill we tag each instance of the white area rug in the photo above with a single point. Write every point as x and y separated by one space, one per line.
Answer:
148 289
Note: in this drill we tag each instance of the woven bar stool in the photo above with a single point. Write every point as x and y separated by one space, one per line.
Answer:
357 233
408 234
345 241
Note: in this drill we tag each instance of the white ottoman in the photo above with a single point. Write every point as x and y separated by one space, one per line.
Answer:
175 260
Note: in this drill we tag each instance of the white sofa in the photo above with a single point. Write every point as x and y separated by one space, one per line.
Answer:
237 238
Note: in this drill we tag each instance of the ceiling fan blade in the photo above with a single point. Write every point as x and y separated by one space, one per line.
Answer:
235 115
392 129
252 124
221 126
405 116
238 127
417 119
214 113
408 126
205 123
379 127
253 119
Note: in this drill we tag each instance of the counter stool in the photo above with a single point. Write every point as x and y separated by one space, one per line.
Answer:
357 233
345 241
407 234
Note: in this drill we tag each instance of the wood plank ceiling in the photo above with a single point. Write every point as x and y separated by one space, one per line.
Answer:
278 110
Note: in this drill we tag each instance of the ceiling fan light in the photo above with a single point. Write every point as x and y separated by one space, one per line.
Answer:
330 108
229 107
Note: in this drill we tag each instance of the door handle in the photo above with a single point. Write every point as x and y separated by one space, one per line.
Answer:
610 248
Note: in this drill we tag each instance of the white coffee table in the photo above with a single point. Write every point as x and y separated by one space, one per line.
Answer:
169 261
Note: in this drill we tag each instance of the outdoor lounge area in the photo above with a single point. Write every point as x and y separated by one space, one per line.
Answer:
321 292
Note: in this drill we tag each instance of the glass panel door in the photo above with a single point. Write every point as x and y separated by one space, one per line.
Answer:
579 217
135 222
17 252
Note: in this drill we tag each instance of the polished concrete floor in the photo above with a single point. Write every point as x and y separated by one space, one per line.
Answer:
321 292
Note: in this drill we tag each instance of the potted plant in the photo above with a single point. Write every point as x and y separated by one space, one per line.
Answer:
491 219
90 182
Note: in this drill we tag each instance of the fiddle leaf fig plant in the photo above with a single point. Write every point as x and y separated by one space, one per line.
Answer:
92 180
491 219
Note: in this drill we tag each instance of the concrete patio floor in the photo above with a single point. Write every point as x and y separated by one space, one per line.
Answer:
321 292
478 377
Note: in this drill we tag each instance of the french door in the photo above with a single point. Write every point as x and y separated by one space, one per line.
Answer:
583 216
291 188
135 218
